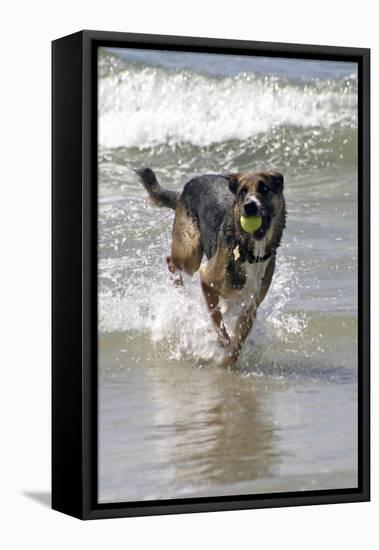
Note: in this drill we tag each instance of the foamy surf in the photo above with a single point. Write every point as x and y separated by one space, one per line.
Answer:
149 106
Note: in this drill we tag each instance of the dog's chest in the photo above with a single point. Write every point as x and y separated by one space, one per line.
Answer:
250 276
248 295
254 275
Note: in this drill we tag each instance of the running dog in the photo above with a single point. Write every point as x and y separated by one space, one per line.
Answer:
208 221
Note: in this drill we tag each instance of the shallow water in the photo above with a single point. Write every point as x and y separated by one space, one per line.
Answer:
171 421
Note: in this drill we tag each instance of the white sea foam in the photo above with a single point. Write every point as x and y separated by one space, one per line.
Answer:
144 107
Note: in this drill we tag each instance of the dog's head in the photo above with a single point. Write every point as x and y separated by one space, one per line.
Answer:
258 194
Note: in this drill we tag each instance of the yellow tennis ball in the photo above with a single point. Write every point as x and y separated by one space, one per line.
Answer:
251 223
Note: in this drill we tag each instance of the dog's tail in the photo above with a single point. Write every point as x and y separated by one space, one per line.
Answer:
158 195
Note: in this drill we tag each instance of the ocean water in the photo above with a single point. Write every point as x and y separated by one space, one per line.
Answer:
172 422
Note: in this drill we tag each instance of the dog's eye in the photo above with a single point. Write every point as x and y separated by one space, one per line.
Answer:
243 192
263 189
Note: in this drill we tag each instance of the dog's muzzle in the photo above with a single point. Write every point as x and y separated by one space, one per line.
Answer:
252 207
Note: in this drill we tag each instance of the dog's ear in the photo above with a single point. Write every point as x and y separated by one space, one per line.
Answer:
233 183
278 181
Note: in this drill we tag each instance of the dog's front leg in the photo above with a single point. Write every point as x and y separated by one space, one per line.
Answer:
212 299
243 327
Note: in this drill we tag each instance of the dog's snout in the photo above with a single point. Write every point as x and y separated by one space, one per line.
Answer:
251 207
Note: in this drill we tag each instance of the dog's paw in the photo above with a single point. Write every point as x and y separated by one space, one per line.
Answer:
231 357
223 339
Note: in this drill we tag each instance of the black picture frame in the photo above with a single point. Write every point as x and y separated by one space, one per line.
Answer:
74 269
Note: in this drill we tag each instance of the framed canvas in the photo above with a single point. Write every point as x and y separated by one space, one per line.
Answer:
210 274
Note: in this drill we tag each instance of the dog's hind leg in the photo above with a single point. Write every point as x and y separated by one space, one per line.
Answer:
175 274
186 249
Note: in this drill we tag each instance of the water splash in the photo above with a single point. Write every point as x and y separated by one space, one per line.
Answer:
178 318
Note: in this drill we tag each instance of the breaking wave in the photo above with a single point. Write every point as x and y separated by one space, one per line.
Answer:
144 106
